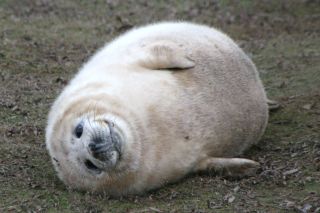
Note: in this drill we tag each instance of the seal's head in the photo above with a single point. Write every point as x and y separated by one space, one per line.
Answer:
100 143
86 150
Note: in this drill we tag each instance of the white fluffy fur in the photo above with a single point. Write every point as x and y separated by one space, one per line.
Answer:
185 97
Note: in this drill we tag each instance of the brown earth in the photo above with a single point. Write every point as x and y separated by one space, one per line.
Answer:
43 43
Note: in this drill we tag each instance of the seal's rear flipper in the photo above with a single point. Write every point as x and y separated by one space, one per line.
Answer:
231 167
273 105
164 55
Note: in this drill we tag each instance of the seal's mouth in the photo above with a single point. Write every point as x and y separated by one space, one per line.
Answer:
92 167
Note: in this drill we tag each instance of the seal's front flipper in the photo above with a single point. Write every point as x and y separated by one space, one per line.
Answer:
231 167
164 54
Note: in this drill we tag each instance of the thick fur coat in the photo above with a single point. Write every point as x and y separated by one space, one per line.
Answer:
179 97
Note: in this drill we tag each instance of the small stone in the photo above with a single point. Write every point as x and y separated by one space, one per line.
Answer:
154 209
12 208
231 199
236 189
308 179
289 204
306 208
290 172
15 108
307 106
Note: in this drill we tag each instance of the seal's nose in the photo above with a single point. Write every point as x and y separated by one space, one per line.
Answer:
97 147
104 144
100 151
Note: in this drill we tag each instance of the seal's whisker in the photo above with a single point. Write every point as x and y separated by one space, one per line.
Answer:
91 128
95 110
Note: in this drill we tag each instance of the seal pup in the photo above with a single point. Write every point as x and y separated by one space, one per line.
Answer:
153 105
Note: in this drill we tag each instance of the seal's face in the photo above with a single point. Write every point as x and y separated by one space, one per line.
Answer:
85 149
101 142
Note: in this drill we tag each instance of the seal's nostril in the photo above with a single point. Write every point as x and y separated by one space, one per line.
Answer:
98 140
100 151
98 147
92 146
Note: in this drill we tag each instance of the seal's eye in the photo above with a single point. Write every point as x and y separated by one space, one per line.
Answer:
78 130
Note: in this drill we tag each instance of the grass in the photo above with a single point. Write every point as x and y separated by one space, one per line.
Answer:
43 43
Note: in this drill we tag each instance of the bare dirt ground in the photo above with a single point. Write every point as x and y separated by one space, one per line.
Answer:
43 43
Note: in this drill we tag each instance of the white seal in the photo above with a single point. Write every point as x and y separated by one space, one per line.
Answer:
155 104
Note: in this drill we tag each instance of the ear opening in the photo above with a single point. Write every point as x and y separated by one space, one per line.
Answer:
165 55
